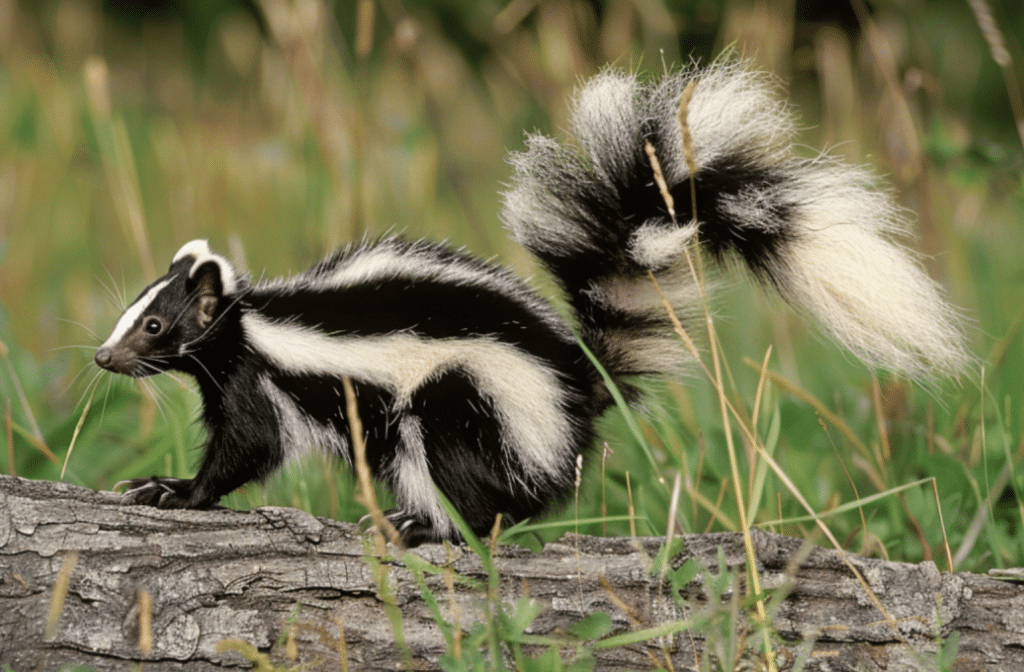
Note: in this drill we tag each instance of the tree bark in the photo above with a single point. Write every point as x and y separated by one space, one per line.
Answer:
285 583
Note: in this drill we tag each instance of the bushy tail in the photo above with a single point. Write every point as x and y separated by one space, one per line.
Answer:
817 230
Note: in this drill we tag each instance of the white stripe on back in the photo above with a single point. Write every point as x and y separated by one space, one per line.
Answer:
526 395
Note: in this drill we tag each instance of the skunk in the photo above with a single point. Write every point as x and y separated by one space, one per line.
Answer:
467 380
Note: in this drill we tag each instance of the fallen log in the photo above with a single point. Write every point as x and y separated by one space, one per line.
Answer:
86 581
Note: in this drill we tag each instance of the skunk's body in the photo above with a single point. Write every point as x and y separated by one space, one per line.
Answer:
468 380
487 397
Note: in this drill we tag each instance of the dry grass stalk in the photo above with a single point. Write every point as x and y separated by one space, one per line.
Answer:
1001 55
60 593
382 525
145 622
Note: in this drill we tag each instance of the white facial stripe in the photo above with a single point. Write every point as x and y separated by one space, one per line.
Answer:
526 394
134 311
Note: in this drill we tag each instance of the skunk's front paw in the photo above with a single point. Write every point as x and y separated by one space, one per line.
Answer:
415 530
162 492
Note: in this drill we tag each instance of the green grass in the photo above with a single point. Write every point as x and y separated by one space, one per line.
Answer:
100 194
280 147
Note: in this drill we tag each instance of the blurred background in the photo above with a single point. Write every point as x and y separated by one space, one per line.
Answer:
282 129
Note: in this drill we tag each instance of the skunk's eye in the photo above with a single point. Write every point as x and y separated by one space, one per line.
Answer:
153 326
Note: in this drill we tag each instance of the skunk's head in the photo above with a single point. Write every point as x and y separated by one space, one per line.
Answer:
172 317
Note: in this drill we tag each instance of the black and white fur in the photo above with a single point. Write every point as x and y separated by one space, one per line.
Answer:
465 378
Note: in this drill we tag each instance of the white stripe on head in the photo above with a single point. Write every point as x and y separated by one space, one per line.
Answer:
133 313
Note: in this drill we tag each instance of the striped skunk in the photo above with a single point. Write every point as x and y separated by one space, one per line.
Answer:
466 379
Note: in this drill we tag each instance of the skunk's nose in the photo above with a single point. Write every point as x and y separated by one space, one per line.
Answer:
123 360
103 358
116 360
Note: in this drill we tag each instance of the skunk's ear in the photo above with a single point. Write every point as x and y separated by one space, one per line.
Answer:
210 278
196 254
206 283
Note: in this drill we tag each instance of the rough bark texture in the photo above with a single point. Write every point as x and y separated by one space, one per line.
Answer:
256 576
